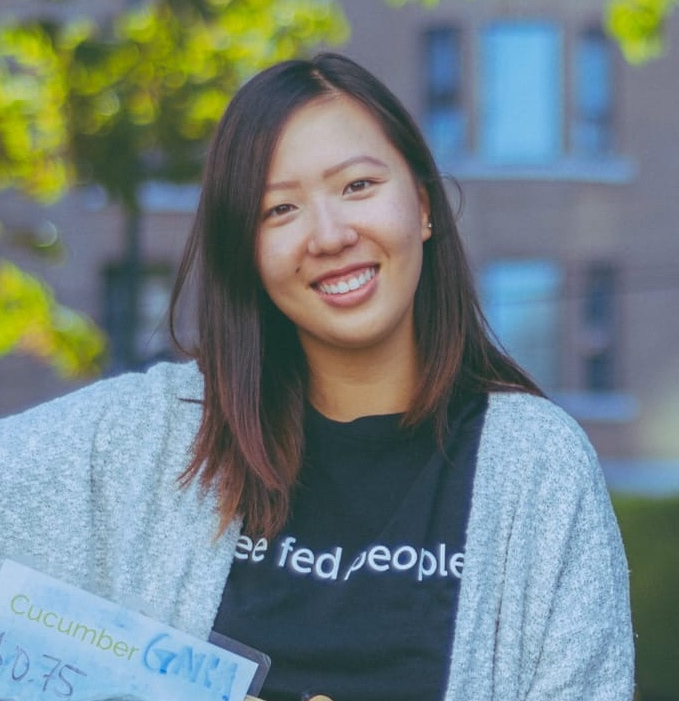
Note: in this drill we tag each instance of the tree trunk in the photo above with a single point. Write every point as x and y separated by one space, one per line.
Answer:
132 288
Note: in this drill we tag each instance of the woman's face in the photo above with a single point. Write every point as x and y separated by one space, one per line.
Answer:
339 246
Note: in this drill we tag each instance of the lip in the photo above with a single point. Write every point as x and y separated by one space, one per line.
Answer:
331 275
350 297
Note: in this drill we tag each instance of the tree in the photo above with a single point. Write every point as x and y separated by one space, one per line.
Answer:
31 321
136 98
32 138
639 26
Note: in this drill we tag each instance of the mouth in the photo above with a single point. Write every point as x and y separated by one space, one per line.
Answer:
341 284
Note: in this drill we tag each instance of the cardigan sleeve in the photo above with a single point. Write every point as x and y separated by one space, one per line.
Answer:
582 603
544 610
89 494
46 506
567 576
82 474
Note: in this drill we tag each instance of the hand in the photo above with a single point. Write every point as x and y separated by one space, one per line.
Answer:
318 697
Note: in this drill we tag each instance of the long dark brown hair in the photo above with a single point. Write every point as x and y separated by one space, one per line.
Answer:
250 442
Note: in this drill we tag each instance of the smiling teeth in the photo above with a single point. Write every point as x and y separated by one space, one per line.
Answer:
349 285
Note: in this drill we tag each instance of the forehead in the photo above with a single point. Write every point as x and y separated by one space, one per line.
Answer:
327 128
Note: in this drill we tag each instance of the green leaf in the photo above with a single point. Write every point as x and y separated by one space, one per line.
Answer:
31 322
639 27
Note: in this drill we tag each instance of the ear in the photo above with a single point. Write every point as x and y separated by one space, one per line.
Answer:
425 212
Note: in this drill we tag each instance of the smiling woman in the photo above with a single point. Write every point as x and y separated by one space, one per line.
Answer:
339 252
349 475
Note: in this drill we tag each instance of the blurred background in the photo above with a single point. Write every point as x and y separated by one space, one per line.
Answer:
558 120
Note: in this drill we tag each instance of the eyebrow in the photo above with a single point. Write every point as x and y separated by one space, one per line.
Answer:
329 172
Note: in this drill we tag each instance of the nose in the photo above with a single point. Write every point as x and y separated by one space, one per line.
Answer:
330 233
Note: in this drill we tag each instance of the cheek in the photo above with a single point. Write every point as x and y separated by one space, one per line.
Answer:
408 233
406 209
277 261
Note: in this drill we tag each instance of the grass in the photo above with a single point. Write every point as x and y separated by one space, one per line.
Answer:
650 530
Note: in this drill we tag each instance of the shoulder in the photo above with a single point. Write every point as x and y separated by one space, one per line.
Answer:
165 380
514 411
529 445
101 432
123 408
166 386
173 381
535 425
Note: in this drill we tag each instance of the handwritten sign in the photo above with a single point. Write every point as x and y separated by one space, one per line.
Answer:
58 642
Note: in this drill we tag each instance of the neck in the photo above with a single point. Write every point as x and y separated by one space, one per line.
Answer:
344 385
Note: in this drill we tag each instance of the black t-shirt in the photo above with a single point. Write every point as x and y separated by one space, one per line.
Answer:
356 598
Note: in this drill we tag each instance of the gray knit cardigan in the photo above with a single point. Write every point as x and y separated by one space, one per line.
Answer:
88 493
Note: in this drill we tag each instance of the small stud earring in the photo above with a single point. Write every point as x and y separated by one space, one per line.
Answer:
428 225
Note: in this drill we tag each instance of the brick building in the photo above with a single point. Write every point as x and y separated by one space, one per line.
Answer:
566 157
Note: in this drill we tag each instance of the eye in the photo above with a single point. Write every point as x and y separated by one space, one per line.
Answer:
279 210
358 186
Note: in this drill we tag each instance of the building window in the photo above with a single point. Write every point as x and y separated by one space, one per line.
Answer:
444 122
592 125
525 118
521 93
522 302
599 324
